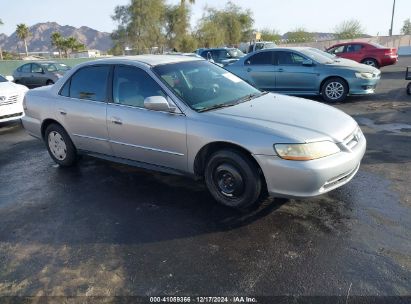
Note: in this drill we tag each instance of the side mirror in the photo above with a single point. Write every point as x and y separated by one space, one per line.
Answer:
209 57
308 62
158 103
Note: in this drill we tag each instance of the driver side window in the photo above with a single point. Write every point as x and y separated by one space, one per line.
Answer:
132 85
337 50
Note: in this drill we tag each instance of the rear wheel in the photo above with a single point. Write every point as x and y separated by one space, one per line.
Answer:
49 82
233 179
60 146
334 90
409 89
370 61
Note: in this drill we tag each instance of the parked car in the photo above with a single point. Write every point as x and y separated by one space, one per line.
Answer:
222 56
11 100
40 73
301 71
185 115
372 54
260 45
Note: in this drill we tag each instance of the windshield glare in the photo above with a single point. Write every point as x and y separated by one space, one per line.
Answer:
236 53
203 85
328 55
320 58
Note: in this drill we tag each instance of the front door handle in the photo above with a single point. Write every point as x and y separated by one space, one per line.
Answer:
249 70
281 70
116 121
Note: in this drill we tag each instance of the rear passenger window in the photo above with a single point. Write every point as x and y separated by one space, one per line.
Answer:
88 83
132 85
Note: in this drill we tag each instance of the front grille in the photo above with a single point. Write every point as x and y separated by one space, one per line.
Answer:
353 139
10 100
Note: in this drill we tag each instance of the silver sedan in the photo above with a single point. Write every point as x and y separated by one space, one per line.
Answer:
184 115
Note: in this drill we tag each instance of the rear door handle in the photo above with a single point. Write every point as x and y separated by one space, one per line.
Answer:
63 112
249 70
281 70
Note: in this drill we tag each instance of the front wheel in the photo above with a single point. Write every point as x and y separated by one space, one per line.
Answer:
334 90
233 179
60 146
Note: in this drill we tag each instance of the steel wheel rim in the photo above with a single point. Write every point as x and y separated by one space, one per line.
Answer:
57 145
228 181
334 90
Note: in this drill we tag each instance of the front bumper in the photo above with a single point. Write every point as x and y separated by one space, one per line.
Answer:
303 179
11 111
363 86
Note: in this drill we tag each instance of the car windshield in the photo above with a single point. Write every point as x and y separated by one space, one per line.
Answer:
55 67
328 55
204 86
2 79
320 58
236 53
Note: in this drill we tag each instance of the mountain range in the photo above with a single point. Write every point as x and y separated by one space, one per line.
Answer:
40 33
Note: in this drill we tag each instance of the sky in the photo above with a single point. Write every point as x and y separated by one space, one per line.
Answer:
282 15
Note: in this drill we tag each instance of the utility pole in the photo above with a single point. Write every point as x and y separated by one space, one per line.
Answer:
392 18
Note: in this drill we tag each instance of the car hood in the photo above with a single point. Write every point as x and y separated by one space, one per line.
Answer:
297 119
11 88
353 65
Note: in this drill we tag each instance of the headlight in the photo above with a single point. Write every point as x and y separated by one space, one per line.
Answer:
308 151
364 75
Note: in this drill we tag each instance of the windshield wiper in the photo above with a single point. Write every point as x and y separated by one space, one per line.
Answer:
235 102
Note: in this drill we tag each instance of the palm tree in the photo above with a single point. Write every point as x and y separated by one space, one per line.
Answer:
1 51
23 33
56 41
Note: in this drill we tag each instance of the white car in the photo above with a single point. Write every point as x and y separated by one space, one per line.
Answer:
11 100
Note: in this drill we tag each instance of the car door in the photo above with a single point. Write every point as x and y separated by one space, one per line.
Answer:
82 108
37 75
353 52
140 134
294 76
260 70
24 74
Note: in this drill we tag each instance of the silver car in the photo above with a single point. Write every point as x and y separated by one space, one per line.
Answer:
184 115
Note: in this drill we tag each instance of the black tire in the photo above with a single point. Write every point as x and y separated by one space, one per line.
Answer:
233 179
49 82
63 154
334 90
409 89
371 62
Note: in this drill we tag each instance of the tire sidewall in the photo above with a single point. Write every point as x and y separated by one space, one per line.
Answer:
248 171
71 155
344 95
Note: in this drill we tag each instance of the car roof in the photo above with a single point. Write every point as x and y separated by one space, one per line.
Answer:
151 60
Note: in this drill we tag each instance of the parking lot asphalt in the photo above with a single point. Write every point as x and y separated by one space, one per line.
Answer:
104 229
